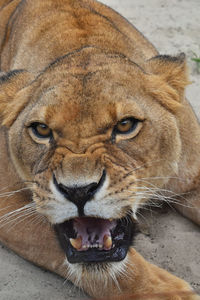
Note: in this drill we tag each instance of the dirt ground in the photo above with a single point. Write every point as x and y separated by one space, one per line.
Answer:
173 242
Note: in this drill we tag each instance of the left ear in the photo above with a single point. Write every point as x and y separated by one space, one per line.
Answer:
170 73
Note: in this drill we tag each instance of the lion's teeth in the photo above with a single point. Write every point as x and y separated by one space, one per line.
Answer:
76 243
107 241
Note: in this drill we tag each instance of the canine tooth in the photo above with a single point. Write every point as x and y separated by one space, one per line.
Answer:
100 246
84 246
107 241
110 219
76 243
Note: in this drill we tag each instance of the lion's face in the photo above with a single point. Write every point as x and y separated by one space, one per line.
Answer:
94 142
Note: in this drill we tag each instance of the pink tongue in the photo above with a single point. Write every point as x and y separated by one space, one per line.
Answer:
92 231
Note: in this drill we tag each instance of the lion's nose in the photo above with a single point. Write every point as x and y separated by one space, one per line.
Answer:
79 195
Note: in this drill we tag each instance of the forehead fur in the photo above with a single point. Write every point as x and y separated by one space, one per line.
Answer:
92 86
83 63
89 85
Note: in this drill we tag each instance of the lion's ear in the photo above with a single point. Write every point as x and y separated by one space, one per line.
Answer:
173 69
10 84
168 77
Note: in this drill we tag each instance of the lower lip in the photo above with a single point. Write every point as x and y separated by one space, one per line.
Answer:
95 255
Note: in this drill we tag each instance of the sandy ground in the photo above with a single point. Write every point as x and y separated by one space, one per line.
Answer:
172 242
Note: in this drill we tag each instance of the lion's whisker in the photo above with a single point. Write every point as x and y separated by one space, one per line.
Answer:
11 193
164 177
25 209
156 177
15 220
16 212
5 208
36 221
18 183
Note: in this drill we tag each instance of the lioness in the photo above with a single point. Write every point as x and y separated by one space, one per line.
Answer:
94 123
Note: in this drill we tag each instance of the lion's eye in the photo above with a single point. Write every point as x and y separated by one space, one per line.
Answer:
126 126
41 130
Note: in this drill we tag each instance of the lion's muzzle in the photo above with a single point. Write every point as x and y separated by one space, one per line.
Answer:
79 195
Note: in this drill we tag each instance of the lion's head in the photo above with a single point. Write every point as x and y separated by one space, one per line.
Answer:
89 135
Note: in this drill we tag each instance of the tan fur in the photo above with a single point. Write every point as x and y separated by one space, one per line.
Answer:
104 71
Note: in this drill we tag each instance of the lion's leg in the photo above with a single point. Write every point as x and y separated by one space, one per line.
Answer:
190 206
140 280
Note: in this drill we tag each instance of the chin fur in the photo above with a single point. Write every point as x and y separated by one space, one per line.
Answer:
97 277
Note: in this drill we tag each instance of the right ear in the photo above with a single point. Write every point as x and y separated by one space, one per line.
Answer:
10 84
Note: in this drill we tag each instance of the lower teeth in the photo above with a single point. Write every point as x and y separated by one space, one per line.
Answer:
77 243
93 246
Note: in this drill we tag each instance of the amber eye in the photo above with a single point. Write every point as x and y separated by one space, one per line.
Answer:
41 130
126 126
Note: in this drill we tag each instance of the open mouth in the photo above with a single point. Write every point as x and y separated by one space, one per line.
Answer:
92 240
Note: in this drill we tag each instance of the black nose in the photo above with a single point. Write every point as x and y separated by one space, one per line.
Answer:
79 195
